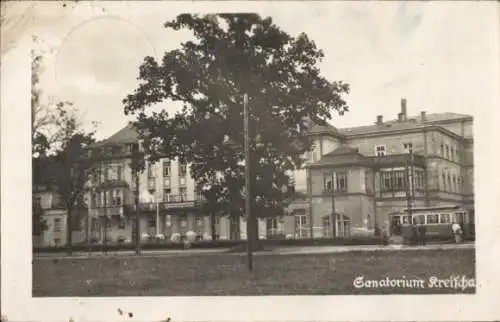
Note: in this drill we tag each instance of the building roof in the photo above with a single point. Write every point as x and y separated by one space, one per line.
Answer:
339 156
343 150
126 135
412 122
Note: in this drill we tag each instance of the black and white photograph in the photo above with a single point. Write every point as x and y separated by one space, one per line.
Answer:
249 161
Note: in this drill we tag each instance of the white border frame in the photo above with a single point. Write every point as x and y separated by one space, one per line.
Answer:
16 276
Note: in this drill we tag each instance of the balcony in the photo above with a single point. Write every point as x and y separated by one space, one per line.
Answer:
170 202
395 160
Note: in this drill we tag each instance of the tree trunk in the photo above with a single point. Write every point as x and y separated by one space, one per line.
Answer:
69 232
212 225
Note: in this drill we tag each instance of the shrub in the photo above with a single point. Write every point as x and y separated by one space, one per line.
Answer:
176 237
191 236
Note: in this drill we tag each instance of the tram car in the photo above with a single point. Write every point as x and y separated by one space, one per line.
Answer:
435 222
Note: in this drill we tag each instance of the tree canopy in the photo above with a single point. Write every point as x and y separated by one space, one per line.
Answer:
230 55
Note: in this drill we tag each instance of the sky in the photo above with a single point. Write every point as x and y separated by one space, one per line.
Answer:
440 56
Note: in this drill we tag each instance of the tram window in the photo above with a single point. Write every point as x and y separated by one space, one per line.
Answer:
433 219
444 218
419 220
459 217
466 217
405 220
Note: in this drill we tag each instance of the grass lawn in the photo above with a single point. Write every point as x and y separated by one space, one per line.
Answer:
225 274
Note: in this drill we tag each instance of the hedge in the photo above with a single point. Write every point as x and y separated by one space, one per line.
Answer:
226 244
217 244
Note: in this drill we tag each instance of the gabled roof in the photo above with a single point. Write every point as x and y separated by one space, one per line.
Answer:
339 156
126 135
343 150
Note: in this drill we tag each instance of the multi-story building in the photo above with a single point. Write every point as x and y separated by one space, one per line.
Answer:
169 202
53 219
364 173
361 174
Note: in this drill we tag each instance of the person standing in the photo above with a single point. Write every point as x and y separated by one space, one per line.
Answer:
457 232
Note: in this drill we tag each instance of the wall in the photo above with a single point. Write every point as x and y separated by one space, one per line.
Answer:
462 128
393 143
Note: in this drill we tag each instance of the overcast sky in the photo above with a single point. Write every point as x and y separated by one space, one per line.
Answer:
442 57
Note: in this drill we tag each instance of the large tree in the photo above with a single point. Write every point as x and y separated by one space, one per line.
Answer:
231 55
59 141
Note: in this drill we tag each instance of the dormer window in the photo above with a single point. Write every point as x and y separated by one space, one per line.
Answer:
380 150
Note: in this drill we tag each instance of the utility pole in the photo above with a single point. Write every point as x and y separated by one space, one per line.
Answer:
333 216
250 220
135 170
408 187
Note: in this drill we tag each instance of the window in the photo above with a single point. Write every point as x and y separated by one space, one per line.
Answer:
168 221
199 221
167 195
419 220
386 181
119 173
454 180
183 221
393 180
182 181
408 147
444 182
150 170
380 150
106 173
447 151
340 182
301 229
449 182
444 218
442 149
327 230
183 193
315 156
419 180
367 182
405 220
116 198
217 220
327 181
38 202
182 169
166 168
452 153
57 225
152 222
400 180
432 218
272 226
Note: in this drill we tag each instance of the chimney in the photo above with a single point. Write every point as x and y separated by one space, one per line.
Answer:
379 120
422 116
400 117
403 109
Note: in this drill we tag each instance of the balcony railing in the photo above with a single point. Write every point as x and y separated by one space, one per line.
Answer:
396 160
169 202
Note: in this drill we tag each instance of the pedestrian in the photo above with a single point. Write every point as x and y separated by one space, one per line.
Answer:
457 232
385 233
